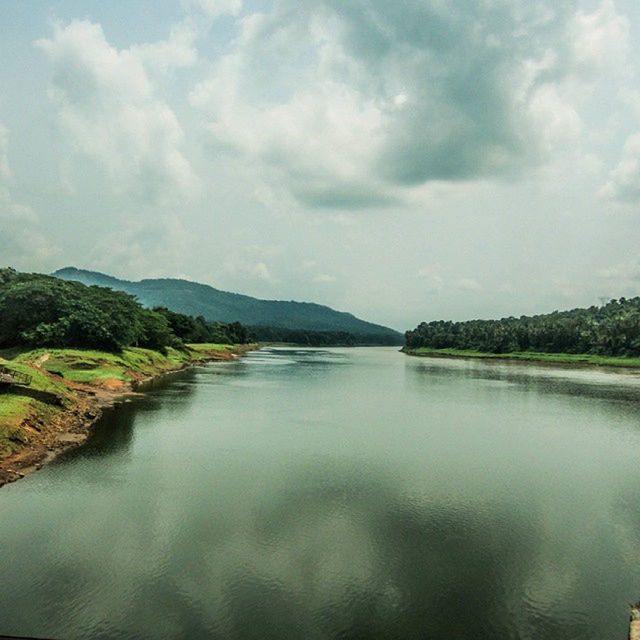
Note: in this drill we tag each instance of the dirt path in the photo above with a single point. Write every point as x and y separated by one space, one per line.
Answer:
38 362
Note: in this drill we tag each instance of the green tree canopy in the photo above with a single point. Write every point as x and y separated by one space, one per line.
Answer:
38 310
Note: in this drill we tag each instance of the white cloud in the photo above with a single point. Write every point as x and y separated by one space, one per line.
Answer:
432 275
554 114
490 122
324 278
21 242
248 269
599 40
108 107
260 271
213 9
136 248
352 105
342 219
13 212
168 55
468 284
624 179
321 137
179 49
631 100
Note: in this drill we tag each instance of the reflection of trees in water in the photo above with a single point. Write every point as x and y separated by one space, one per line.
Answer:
113 432
616 392
185 378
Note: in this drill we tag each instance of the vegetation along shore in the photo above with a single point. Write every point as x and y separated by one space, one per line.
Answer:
608 335
67 351
572 359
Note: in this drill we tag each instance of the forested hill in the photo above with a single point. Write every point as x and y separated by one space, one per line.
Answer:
43 311
213 304
612 329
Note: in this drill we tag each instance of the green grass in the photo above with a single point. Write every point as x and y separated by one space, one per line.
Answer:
14 409
531 356
83 366
88 366
208 347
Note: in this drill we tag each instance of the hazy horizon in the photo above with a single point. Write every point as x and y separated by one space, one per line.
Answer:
403 162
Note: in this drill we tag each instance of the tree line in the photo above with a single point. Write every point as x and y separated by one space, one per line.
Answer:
43 311
303 336
318 338
612 329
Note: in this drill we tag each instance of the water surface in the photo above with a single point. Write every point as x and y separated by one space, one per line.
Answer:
343 493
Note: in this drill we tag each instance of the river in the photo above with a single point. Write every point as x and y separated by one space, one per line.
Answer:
340 493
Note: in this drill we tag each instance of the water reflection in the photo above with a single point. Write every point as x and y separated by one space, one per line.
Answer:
612 386
347 494
323 557
113 433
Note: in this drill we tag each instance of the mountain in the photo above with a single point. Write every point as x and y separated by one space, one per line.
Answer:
198 299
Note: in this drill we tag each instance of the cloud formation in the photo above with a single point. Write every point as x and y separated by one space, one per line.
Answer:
351 104
324 278
245 143
433 279
108 107
468 284
21 242
599 40
345 106
624 179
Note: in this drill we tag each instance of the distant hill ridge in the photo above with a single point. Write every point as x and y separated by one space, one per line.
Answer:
198 299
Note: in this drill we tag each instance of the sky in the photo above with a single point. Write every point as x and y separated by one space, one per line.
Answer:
405 161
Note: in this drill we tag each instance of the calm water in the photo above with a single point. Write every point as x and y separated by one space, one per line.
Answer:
338 494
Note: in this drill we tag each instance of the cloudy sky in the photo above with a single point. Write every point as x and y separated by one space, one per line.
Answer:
406 160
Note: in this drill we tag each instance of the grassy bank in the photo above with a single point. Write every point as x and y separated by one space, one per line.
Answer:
129 366
529 356
67 389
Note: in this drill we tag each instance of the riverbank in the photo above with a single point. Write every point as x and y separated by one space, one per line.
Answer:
69 388
573 359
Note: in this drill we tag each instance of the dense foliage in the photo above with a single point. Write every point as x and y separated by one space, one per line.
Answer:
191 330
613 329
303 337
318 338
38 310
213 304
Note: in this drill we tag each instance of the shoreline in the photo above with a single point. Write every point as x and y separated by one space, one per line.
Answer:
55 430
559 360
